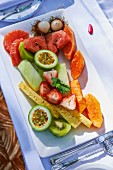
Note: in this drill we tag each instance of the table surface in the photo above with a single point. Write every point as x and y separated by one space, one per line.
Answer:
10 152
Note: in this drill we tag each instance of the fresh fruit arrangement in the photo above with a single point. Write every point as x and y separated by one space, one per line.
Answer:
60 101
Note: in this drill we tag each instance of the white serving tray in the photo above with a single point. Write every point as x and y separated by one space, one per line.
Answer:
45 143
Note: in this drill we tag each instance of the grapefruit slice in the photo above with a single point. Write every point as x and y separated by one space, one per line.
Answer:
70 48
12 36
77 64
93 110
50 43
14 52
61 39
34 44
57 40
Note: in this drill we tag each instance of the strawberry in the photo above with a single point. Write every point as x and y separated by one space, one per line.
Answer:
69 102
44 88
50 74
54 97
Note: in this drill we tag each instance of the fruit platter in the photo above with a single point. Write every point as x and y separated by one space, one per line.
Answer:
55 82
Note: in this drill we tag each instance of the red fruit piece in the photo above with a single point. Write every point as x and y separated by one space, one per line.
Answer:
90 29
54 97
14 53
12 36
57 40
50 74
50 43
61 39
69 102
34 44
44 88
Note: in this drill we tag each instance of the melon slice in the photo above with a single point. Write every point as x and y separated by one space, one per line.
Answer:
62 73
30 74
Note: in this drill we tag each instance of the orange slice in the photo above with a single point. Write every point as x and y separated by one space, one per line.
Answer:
77 64
93 110
80 101
70 48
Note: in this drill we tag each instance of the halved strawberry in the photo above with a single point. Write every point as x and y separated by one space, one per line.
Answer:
50 74
54 97
69 102
44 88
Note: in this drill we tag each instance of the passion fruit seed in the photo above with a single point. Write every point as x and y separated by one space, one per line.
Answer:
43 26
57 24
46 58
39 118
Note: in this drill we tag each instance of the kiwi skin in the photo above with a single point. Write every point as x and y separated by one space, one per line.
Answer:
59 127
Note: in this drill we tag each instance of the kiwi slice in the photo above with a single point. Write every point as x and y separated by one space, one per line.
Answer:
59 127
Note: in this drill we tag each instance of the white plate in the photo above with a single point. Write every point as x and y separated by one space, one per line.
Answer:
35 5
46 144
94 167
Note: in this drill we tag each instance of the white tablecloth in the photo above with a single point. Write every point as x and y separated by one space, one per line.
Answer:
98 47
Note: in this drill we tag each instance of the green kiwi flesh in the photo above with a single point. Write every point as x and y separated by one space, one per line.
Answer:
59 127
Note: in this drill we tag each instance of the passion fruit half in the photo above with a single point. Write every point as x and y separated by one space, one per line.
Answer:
46 59
39 118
